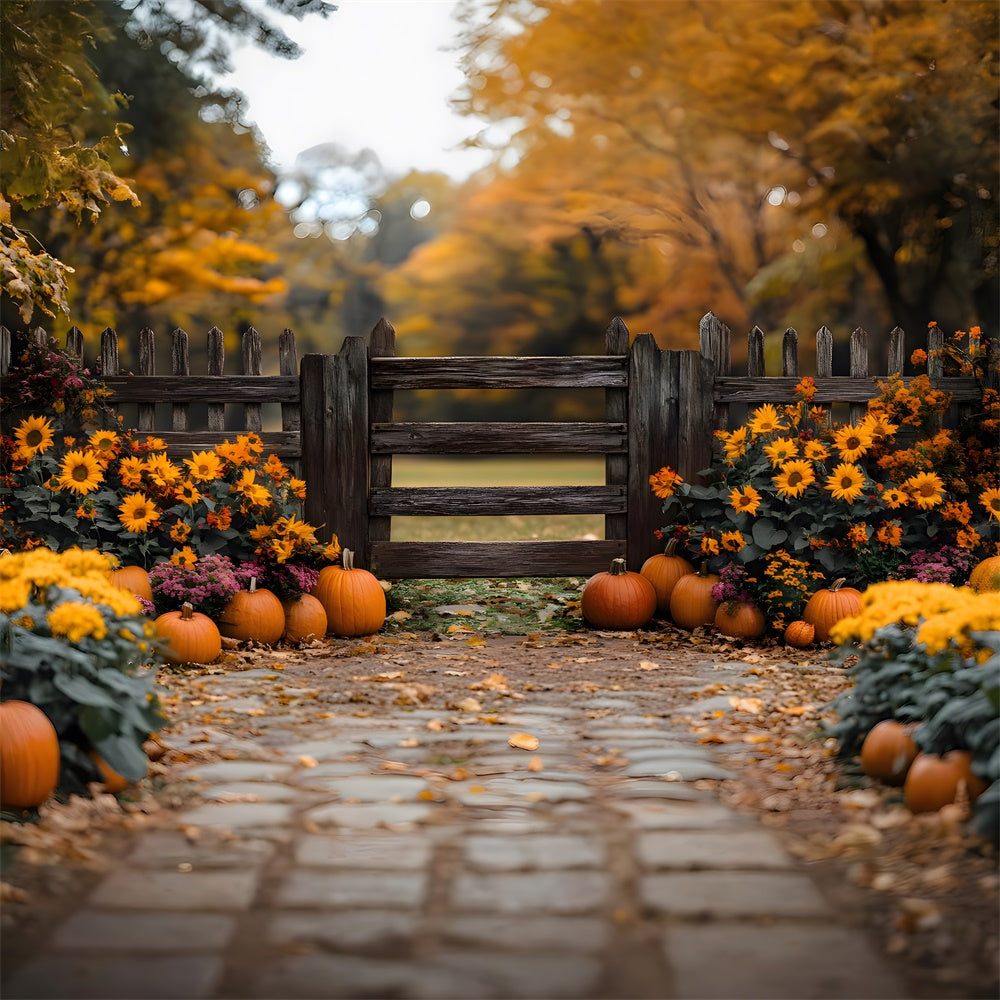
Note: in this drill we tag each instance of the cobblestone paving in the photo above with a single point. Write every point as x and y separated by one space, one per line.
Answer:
378 857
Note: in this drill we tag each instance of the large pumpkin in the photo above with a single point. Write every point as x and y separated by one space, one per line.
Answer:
986 575
888 751
305 618
740 620
828 605
353 598
190 636
133 579
691 602
618 598
933 782
663 571
253 614
29 755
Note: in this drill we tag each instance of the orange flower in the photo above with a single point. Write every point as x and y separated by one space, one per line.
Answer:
665 482
889 534
733 541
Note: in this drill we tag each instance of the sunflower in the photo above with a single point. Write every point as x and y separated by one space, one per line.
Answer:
889 534
746 500
853 441
926 489
180 532
130 471
794 478
185 557
781 450
734 444
765 421
81 472
733 541
162 471
990 499
187 493
816 451
137 513
846 482
104 444
894 498
33 436
204 466
664 483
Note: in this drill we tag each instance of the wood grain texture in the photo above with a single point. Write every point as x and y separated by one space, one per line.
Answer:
498 373
434 501
460 438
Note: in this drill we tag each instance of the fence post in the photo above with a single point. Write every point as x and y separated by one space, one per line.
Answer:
616 467
383 345
334 401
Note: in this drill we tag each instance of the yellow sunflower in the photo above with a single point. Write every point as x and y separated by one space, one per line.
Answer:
733 541
990 499
746 500
846 482
794 478
185 557
781 450
926 489
816 451
894 498
765 420
33 436
162 471
138 513
130 471
187 493
853 441
81 472
204 466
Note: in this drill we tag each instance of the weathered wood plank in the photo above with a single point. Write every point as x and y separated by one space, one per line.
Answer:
180 367
616 341
499 373
381 345
288 366
146 419
435 501
838 389
317 454
202 388
755 353
216 366
696 414
109 354
858 362
897 352
715 343
252 351
460 438
6 347
347 447
790 354
436 560
284 445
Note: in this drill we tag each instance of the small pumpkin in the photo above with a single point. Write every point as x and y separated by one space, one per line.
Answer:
800 634
888 751
618 598
828 605
254 613
933 782
190 636
134 579
740 620
691 602
29 755
352 598
663 570
305 618
986 574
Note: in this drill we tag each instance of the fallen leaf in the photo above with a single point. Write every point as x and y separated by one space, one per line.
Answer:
306 761
524 741
752 705
468 705
535 764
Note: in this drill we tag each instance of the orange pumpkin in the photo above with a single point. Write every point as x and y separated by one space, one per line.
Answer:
191 637
827 606
986 575
29 755
933 782
618 598
691 602
253 614
888 751
663 571
305 618
800 634
740 620
133 579
352 598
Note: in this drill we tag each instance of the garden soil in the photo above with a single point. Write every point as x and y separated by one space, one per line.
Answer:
924 888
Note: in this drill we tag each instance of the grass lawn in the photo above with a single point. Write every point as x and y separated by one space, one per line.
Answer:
503 470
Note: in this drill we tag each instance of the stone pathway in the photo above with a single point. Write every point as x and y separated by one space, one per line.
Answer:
390 857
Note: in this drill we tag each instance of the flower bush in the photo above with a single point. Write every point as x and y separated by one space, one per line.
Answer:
926 653
886 496
81 650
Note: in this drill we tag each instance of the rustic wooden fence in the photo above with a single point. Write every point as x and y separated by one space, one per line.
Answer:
661 408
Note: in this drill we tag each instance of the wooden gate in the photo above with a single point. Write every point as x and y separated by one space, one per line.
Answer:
657 404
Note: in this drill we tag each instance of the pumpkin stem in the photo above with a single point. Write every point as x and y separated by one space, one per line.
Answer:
187 610
618 567
837 584
670 547
703 568
253 585
347 559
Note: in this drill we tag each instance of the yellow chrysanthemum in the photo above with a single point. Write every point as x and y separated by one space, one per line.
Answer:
14 595
138 513
781 450
75 620
746 500
990 499
765 420
846 482
204 466
794 478
853 441
926 489
33 436
81 472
